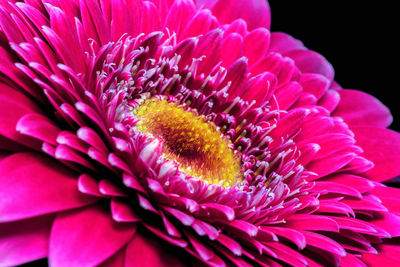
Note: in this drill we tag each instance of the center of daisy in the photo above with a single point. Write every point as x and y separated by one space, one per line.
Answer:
189 139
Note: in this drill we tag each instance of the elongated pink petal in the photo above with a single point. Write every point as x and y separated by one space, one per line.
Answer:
23 192
382 147
282 43
255 12
147 252
312 222
389 222
311 62
361 109
117 260
256 44
39 127
75 241
388 255
389 196
24 241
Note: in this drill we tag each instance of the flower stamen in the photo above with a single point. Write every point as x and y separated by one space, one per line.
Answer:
195 144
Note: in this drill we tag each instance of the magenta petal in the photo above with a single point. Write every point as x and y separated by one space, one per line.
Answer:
324 243
330 100
388 255
255 12
37 186
312 222
24 241
147 252
283 43
293 235
259 87
389 196
232 48
361 109
382 147
12 109
256 44
116 260
358 183
311 62
389 222
122 212
86 237
287 94
39 127
330 164
314 84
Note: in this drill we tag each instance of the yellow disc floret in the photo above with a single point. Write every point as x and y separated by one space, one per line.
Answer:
194 143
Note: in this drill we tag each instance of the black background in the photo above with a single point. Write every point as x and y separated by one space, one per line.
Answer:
358 39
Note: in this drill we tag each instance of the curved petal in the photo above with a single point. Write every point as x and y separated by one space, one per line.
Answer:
13 106
32 184
283 43
382 147
311 62
255 12
361 109
24 241
388 256
145 251
116 260
86 237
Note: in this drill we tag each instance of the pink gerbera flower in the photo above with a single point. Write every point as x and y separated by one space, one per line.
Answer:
165 133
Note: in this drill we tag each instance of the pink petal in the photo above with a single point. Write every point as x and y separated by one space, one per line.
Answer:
311 62
146 251
199 24
258 88
255 12
117 260
39 127
180 13
287 94
361 109
330 164
314 84
256 44
311 222
324 243
37 186
389 222
122 212
330 143
12 109
330 100
389 196
88 185
232 49
293 235
352 261
282 43
382 147
230 244
323 187
204 251
24 241
209 45
388 255
361 184
86 237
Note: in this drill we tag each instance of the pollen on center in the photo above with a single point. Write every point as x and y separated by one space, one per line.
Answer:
189 139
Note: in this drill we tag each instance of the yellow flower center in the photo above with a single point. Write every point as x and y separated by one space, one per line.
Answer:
189 139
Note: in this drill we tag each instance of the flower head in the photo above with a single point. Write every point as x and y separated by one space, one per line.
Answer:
165 132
